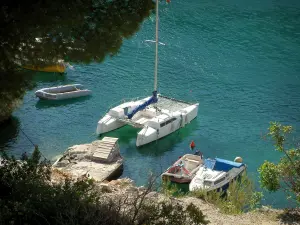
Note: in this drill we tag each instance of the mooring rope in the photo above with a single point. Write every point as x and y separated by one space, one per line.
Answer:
34 145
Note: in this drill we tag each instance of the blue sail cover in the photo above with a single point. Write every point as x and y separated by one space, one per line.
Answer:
150 101
226 165
221 164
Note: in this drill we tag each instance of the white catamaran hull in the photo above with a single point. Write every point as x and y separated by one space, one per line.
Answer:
149 134
108 123
112 119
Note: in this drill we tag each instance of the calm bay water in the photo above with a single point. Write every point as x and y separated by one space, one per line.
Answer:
239 59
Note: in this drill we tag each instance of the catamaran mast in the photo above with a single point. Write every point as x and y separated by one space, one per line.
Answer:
156 49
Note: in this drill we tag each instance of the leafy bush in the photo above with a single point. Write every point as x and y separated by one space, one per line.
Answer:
13 85
165 213
170 189
29 197
285 174
239 197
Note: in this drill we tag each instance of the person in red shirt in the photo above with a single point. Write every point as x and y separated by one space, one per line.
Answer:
192 145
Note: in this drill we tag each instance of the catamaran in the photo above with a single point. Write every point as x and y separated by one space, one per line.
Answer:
156 115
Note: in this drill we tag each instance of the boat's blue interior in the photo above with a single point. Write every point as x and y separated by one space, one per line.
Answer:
221 164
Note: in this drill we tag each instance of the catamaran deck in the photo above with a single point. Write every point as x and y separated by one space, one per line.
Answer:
171 104
164 102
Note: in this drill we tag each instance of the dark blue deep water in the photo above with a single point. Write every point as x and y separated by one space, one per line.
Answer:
240 59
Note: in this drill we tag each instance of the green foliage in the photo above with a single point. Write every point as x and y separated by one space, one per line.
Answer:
213 197
269 176
165 213
285 174
77 31
278 133
196 215
239 197
170 189
29 197
255 200
13 85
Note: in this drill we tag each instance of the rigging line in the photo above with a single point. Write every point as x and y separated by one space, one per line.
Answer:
174 24
27 137
34 145
134 64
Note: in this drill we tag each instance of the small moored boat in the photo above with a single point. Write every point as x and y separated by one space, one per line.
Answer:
58 67
184 169
216 174
63 92
55 68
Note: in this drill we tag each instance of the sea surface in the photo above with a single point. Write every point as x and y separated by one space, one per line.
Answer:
239 59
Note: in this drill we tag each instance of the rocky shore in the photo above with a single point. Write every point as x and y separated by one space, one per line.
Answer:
121 188
102 162
124 190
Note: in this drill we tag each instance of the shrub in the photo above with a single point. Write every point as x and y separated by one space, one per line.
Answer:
284 175
29 197
239 197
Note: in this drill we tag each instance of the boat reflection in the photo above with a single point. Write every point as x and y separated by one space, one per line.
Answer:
127 137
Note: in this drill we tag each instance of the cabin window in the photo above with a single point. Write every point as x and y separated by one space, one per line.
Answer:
220 180
207 183
167 122
125 110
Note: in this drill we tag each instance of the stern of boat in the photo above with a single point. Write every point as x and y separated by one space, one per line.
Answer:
189 113
108 123
146 135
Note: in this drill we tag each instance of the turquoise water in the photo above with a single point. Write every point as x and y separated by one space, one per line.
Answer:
239 59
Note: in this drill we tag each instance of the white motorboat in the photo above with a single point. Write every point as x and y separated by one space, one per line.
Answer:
62 92
157 115
184 169
216 174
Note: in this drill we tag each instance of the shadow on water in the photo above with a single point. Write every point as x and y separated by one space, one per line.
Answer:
38 76
127 138
168 142
48 77
9 131
41 104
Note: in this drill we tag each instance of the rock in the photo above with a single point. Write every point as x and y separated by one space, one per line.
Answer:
127 181
62 163
265 208
152 194
114 182
104 187
141 189
79 160
131 189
